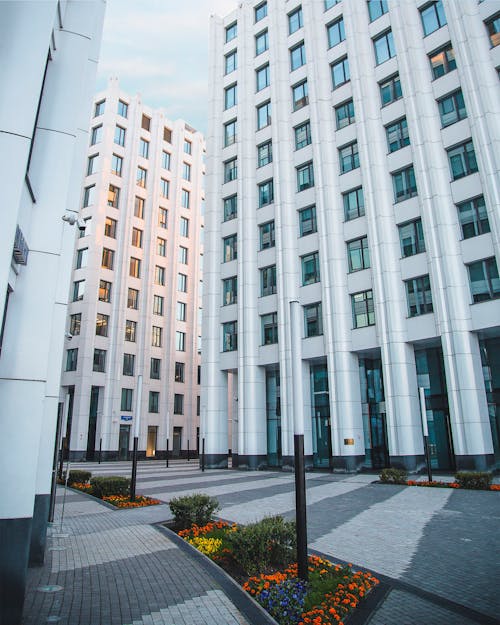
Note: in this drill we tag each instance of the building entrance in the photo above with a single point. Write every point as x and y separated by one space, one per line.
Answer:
373 407
273 414
177 442
321 428
124 442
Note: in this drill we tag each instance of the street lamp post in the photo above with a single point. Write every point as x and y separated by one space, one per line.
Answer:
137 424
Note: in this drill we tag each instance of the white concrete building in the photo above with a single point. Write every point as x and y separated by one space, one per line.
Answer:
353 166
135 305
49 53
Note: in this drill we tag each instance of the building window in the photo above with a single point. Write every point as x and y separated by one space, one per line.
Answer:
262 77
128 364
404 184
119 135
230 336
102 324
310 268
229 97
184 227
71 359
88 196
143 148
340 72
122 109
130 330
113 196
154 400
411 238
261 42
183 255
180 312
146 122
182 282
230 291
302 135
165 160
358 255
484 280
135 267
75 324
230 170
390 90
179 372
384 47
377 8
160 275
452 108
266 235
348 157
156 337
161 246
344 114
185 198
295 21
178 404
442 61
155 368
260 11
231 32
91 164
305 176
126 403
108 257
99 363
297 56
268 280
354 204
136 237
269 324
313 321
139 207
180 341
186 171
164 188
231 62
264 154
307 221
116 165
397 135
263 115
266 193
96 135
99 108
141 177
229 133
330 3
363 312
462 159
162 217
187 146
229 248
419 296
433 17
81 258
104 291
300 97
335 32
78 290
493 28
133 299
230 207
473 217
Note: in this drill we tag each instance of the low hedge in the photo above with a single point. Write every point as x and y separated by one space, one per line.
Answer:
196 509
394 476
110 485
476 480
77 476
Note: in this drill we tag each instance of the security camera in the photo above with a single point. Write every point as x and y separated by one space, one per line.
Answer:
72 219
68 336
81 223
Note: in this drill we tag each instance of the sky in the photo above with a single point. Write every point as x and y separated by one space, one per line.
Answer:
159 48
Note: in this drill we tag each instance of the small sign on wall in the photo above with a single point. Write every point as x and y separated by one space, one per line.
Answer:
126 417
348 441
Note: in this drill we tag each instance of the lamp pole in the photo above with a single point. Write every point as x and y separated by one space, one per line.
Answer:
137 425
423 411
298 439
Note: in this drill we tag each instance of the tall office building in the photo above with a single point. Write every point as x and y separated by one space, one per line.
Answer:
134 309
50 51
354 168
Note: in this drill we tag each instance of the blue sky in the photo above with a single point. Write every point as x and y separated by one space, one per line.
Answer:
158 48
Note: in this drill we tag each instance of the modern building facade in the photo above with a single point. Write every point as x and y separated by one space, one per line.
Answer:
354 167
47 83
134 311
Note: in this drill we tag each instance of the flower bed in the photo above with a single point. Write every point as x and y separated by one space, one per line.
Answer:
331 592
437 484
123 501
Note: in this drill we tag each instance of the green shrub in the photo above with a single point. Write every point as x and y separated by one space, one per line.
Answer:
78 477
110 485
394 476
267 544
194 509
477 480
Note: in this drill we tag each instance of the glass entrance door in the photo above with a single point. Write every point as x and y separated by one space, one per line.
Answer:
378 434
273 418
177 442
124 442
321 428
151 445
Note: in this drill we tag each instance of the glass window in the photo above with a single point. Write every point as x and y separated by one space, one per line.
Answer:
186 171
230 207
266 235
266 193
297 56
330 3
397 135
184 227
340 72
135 267
182 282
390 90
101 324
433 17
230 249
302 135
411 238
261 42
81 258
154 401
231 61
404 184
230 336
71 359
262 77
178 404
473 217
310 268
136 237
159 275
230 170
452 108
230 291
104 291
419 296
128 364
269 328
155 368
75 324
377 8
354 203
116 165
185 196
462 159
122 108
113 196
442 61
493 28
230 96
335 32
358 255
179 372
295 20
99 108
344 114
143 148
164 188
92 164
484 280
161 246
384 47
141 177
180 311
363 312
130 330
165 160
313 321
156 337
108 257
162 217
260 11
263 115
305 176
268 280
300 97
167 135
88 196
119 135
183 255
133 299
96 135
146 122
348 157
139 207
264 154
229 133
126 403
231 31
307 221
99 363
